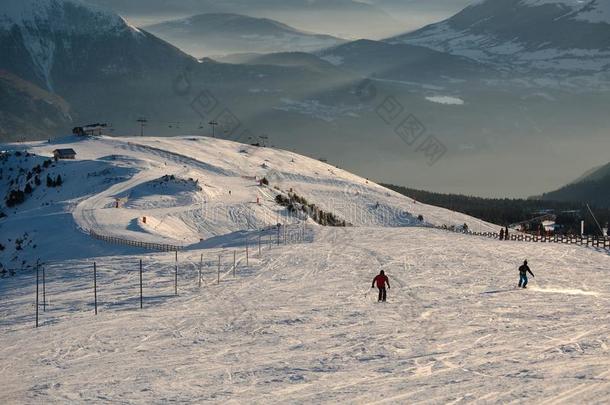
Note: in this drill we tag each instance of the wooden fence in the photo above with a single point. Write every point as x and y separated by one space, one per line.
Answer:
145 245
588 240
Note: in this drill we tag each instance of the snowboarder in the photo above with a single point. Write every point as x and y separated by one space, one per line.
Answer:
381 280
523 270
506 233
502 234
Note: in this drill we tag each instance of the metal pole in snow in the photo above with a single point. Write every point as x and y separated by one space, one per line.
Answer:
141 295
218 269
37 277
594 218
259 246
95 286
44 290
234 254
247 255
200 266
176 276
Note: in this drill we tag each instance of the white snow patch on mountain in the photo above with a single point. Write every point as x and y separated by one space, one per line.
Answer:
333 59
316 109
594 11
448 100
442 37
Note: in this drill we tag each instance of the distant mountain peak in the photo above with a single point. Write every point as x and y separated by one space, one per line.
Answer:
594 11
224 18
43 27
549 35
207 34
57 15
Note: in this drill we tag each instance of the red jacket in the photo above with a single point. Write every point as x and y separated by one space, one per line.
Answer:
381 281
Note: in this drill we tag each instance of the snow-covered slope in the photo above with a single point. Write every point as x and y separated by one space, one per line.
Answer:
296 322
189 189
300 325
561 36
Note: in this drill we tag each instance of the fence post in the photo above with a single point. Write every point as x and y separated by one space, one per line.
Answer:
44 290
141 299
234 254
95 286
37 277
259 246
176 275
200 266
247 255
218 269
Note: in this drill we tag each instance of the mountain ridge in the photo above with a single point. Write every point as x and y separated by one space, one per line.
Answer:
541 35
592 187
228 33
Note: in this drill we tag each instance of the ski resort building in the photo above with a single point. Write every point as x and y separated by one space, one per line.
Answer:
68 153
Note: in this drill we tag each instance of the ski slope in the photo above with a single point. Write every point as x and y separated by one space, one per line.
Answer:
222 198
298 323
301 325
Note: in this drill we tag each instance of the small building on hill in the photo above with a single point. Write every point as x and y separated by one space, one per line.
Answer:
90 130
68 153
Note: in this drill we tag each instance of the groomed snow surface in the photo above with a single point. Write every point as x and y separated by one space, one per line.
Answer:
299 323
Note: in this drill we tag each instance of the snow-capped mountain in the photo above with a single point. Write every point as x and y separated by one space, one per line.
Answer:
403 62
566 36
37 35
340 18
109 71
222 33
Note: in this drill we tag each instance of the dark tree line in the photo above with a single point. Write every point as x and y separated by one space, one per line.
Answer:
505 211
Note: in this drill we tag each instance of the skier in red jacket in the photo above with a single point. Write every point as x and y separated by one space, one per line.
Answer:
381 280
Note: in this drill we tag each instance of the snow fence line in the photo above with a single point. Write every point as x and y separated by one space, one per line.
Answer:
180 273
127 242
584 240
